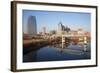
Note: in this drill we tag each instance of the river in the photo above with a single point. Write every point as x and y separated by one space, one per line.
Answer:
50 53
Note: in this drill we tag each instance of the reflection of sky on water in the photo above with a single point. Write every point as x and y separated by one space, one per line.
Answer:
72 52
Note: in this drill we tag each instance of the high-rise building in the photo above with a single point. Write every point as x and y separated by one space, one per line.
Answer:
32 26
59 28
62 29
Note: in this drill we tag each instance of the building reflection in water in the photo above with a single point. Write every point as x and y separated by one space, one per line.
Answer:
48 53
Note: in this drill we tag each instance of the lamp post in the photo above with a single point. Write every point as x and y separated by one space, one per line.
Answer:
63 41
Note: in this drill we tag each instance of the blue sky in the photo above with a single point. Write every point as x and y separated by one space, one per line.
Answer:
50 20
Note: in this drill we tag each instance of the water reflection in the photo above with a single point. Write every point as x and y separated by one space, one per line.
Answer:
54 53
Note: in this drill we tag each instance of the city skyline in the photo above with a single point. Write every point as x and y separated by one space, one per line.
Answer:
51 19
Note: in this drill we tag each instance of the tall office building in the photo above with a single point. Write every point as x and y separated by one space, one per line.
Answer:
32 26
62 29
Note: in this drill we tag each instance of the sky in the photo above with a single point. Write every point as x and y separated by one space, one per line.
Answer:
51 19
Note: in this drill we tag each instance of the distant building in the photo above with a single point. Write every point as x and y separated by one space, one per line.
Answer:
62 29
31 25
87 34
73 32
80 31
44 30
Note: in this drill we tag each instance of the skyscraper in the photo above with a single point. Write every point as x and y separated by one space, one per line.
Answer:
62 29
32 26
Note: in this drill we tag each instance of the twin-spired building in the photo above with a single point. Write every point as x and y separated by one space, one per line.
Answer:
62 29
31 25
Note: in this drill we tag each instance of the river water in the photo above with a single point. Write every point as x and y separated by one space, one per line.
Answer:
50 53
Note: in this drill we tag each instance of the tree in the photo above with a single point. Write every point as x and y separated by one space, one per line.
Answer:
53 32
